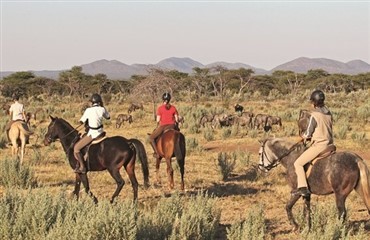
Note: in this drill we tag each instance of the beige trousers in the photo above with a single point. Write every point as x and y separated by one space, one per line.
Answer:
306 157
84 141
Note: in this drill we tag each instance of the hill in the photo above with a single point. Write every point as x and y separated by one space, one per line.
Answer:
118 70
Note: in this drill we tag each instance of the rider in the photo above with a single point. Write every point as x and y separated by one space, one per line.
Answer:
320 132
16 113
93 116
167 118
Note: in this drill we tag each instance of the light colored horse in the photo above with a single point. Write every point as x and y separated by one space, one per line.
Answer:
19 134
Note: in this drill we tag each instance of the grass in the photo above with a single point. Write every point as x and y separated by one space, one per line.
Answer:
229 203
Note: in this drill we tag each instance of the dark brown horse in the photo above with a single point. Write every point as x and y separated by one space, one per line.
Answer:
171 144
338 173
110 154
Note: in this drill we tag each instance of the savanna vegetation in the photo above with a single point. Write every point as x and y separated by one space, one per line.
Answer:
225 197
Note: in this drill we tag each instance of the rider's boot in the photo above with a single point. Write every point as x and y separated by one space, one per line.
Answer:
154 146
80 166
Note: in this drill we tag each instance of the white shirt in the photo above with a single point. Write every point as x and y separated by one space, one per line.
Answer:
95 115
17 110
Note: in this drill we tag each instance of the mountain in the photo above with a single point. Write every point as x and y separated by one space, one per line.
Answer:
114 69
118 70
184 65
303 64
258 71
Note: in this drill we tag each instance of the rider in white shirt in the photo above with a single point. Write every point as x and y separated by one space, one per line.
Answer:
93 116
16 113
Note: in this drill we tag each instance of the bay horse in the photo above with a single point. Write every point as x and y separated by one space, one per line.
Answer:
18 135
338 173
171 144
110 154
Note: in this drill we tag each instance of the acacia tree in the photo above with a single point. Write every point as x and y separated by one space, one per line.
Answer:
152 86
244 76
73 79
201 80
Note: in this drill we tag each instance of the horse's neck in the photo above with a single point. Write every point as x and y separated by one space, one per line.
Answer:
293 155
68 137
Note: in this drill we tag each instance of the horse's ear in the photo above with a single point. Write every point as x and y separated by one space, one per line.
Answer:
52 118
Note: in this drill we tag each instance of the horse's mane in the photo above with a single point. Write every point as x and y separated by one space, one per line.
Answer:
280 143
64 124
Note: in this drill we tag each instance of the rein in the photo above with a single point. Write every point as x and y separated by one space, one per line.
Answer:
276 162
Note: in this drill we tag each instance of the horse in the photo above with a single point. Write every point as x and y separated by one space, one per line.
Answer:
18 135
171 144
109 154
338 173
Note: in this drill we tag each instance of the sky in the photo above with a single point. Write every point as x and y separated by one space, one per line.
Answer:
57 35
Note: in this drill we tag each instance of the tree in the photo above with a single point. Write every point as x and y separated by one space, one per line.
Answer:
244 76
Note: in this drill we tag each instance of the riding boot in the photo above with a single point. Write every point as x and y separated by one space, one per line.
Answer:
154 146
303 191
80 166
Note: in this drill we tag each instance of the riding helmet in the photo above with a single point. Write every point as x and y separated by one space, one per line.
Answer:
96 98
166 96
317 97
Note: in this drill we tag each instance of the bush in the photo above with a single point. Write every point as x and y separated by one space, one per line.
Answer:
226 166
253 227
14 174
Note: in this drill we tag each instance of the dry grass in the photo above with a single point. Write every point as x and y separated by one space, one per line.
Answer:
243 189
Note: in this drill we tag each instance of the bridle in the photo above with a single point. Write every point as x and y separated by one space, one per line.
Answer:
50 140
274 163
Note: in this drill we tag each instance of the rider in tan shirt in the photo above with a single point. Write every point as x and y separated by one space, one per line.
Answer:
320 132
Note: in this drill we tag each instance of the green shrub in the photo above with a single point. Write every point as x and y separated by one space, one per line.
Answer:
14 174
253 227
198 221
208 134
191 144
225 165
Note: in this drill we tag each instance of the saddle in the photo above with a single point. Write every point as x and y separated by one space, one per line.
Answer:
330 150
96 140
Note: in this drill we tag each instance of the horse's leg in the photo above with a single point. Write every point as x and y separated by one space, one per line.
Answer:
181 163
340 200
170 173
288 207
114 172
22 148
76 192
130 169
157 164
85 182
307 210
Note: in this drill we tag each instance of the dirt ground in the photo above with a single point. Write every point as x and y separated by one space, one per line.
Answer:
238 192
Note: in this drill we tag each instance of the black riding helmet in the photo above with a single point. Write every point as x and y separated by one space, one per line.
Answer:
166 97
96 98
317 97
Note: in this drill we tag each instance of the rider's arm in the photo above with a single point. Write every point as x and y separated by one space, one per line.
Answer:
310 129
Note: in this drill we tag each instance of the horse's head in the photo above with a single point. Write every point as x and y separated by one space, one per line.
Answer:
51 134
267 155
274 150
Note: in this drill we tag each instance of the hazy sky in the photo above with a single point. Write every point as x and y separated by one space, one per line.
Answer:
56 35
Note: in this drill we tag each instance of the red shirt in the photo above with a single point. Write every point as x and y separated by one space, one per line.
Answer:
167 115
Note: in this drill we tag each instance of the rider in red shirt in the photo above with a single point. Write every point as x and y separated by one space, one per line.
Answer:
167 118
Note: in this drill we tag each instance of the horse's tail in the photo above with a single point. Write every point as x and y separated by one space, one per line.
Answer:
23 127
363 186
180 148
141 153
